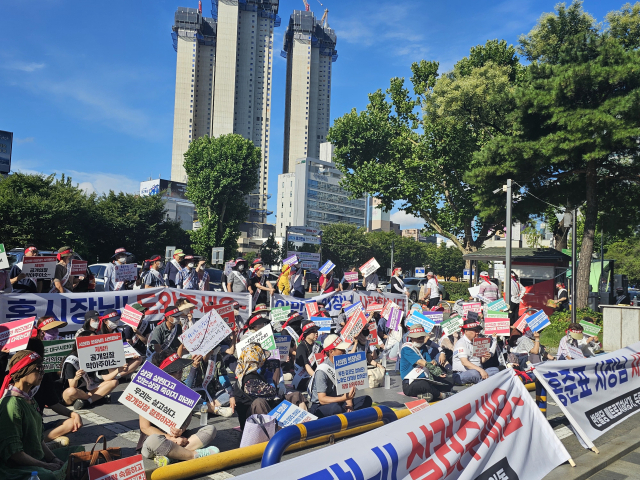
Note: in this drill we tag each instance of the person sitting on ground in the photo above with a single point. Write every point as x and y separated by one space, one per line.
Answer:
186 313
420 374
218 390
304 369
259 318
253 392
166 334
91 323
362 344
110 324
138 336
525 346
323 391
22 446
575 338
82 389
342 319
180 443
467 367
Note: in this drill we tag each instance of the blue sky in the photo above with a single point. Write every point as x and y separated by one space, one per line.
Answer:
88 87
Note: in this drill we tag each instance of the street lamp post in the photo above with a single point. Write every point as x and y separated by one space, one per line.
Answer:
574 264
507 274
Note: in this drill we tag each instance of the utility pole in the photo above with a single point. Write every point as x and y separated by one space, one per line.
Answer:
393 244
574 264
601 263
507 272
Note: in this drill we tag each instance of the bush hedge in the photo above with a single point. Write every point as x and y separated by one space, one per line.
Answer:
456 290
560 320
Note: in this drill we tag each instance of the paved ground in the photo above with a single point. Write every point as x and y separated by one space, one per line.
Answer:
628 467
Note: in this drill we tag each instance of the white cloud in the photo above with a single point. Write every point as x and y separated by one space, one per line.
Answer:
406 220
24 66
20 141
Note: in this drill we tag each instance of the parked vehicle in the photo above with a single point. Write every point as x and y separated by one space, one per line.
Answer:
414 284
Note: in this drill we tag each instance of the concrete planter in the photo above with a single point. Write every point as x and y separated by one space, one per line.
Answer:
621 326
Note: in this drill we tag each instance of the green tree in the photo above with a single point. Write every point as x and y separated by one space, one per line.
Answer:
626 253
221 172
417 148
270 251
576 123
345 245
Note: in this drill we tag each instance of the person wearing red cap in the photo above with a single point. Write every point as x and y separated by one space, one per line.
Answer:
19 281
397 284
63 281
110 282
152 278
307 347
468 367
166 334
488 291
575 337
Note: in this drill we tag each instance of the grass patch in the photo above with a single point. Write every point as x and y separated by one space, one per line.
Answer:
550 338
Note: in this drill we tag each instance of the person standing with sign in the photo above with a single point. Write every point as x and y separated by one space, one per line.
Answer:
468 367
432 293
488 290
110 282
238 280
344 284
517 293
326 282
370 282
63 281
323 391
19 281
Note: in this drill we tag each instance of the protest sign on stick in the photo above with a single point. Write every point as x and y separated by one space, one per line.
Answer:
538 321
327 267
284 343
264 337
311 308
497 305
228 314
452 325
205 334
395 319
590 329
100 352
355 324
14 336
497 323
292 260
351 371
280 314
78 267
420 318
129 351
351 277
126 272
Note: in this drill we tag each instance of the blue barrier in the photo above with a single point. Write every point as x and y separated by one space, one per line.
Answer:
324 426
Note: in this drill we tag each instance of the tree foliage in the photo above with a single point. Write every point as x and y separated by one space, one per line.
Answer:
270 251
221 172
626 254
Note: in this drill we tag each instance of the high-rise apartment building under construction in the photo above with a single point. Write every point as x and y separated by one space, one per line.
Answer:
309 47
223 81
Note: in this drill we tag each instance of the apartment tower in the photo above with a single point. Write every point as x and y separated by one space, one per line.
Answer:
223 81
309 47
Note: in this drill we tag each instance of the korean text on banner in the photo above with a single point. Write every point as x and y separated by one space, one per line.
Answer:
351 371
312 308
332 302
288 414
369 297
419 318
327 267
369 267
39 267
355 324
127 272
78 267
14 336
4 261
160 398
538 321
323 323
452 325
521 323
471 307
435 317
129 468
481 346
497 305
482 430
131 316
264 337
280 314
100 352
595 393
386 310
417 405
55 351
292 260
377 307
351 277
205 334
497 323
284 343
590 329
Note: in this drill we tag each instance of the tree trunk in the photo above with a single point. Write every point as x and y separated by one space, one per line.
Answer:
586 250
560 237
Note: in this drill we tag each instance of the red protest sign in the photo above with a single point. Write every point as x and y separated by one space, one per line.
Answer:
497 325
129 468
481 346
354 326
417 405
375 307
228 315
373 334
319 358
131 316
14 336
78 267
351 277
312 308
521 324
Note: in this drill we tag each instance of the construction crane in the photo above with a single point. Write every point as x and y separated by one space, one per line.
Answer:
306 5
324 22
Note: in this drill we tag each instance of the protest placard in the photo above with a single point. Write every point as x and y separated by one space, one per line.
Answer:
228 314
471 307
386 310
287 414
78 267
351 371
497 323
395 319
452 325
205 334
372 338
417 405
481 346
327 267
323 323
497 305
376 307
39 267
126 272
264 337
14 336
311 308
574 352
369 267
435 317
131 316
521 323
351 277
283 342
55 351
590 329
292 260
100 352
129 351
538 321
280 314
158 397
419 318
474 291
355 324
129 468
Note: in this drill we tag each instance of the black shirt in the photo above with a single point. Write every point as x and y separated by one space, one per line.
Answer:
26 285
144 329
262 297
302 354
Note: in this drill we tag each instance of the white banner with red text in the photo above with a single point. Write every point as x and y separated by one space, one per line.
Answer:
71 307
492 430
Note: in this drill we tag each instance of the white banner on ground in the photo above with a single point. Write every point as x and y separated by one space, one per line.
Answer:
490 431
287 414
71 307
596 393
205 334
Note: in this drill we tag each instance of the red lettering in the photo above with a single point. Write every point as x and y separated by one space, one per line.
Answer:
514 424
416 449
635 365
429 468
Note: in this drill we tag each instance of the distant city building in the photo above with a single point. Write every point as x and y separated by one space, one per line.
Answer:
309 47
380 219
311 196
519 239
416 234
179 208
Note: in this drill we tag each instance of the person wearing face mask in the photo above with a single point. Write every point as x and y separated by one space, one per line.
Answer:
111 324
166 334
296 281
346 286
397 284
137 336
420 374
186 313
187 278
468 367
153 278
174 267
19 281
576 339
303 367
238 280
110 283
488 291
91 323
63 281
262 288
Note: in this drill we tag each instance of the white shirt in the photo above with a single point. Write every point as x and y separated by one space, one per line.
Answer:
517 291
433 285
372 282
464 349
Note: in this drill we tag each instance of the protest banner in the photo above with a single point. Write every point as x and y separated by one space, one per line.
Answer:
590 329
376 307
452 325
351 371
311 308
100 352
283 342
14 336
129 351
471 307
228 314
4 261
39 267
287 414
497 305
491 431
131 316
417 405
160 398
55 351
481 346
327 267
78 267
435 317
595 393
395 319
369 267
129 468
126 272
497 323
355 324
264 337
71 307
306 256
351 277
420 318
538 321
280 314
291 260
205 334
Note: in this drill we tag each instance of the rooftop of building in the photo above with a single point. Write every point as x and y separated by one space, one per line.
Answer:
304 25
520 254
